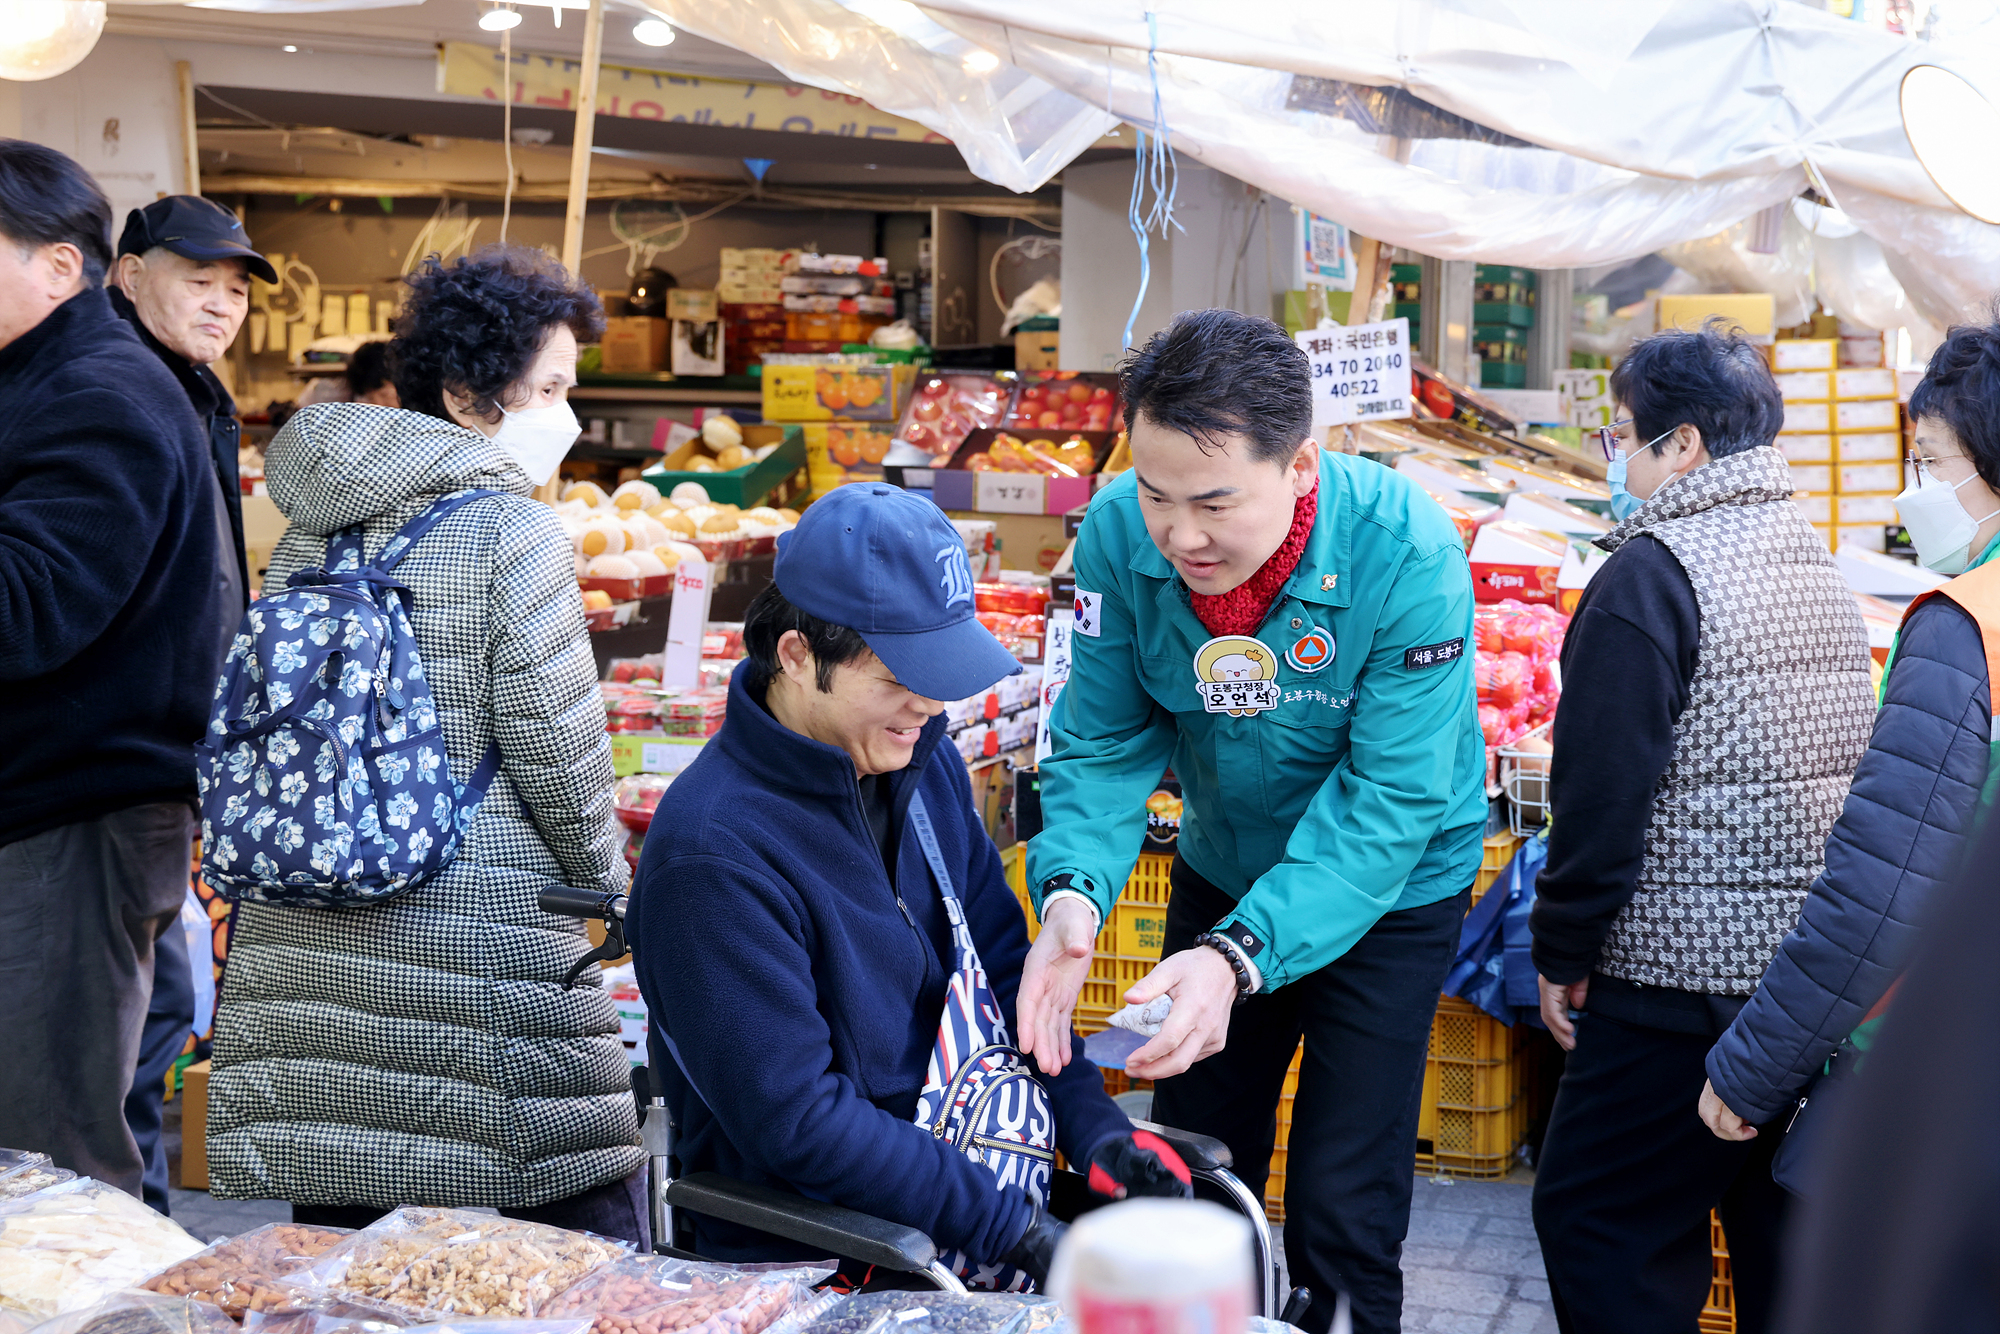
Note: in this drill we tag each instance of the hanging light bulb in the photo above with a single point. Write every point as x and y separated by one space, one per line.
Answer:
1952 130
44 38
653 32
500 18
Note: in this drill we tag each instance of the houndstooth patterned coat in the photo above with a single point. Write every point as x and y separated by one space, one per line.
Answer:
1779 713
423 1051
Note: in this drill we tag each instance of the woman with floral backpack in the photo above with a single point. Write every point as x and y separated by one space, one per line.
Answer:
419 1048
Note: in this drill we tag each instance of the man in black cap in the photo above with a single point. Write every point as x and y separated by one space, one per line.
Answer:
182 281
110 601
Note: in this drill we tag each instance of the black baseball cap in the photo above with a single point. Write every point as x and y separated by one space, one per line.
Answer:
193 228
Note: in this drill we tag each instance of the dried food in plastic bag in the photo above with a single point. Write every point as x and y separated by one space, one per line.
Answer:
24 1171
142 1313
31 1178
573 1325
645 1294
71 1245
238 1273
924 1313
456 1262
320 1313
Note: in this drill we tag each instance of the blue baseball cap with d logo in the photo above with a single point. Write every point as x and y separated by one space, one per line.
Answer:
888 564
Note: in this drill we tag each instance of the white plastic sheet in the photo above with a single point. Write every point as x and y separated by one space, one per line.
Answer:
1649 123
1012 128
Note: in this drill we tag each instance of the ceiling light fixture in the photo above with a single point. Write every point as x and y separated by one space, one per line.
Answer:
45 38
500 18
1953 130
288 48
653 32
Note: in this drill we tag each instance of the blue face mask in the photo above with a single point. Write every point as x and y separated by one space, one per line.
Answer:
1623 502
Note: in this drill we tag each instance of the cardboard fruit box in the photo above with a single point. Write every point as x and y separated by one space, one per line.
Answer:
777 479
836 393
965 486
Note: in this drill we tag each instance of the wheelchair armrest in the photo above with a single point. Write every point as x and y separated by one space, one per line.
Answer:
1199 1152
832 1228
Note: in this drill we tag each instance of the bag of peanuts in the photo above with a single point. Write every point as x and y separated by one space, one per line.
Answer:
239 1273
453 1262
143 1313
655 1294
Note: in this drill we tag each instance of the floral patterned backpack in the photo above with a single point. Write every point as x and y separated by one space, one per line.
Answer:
324 779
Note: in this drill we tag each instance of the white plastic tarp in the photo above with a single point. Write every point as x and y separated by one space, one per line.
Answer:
1646 122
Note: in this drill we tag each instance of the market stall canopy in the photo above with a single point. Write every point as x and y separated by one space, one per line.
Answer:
1547 133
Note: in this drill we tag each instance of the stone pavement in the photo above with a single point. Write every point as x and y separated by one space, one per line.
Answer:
1471 1265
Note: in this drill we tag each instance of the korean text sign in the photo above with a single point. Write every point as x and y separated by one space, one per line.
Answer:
1360 372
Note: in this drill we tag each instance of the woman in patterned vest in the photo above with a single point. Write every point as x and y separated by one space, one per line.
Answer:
1716 702
424 1051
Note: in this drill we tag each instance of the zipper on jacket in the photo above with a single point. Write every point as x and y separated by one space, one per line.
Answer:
895 893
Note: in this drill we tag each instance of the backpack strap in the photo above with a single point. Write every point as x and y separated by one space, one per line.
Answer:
961 933
413 532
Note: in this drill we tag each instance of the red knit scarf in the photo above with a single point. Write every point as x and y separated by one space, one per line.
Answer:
1243 608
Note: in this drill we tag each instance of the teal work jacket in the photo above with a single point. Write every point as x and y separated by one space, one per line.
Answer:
1336 776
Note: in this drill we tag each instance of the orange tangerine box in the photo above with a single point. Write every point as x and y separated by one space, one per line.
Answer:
836 393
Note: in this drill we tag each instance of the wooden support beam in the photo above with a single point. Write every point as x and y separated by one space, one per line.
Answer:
190 144
586 127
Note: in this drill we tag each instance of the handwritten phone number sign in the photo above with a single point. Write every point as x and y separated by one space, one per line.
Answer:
1360 372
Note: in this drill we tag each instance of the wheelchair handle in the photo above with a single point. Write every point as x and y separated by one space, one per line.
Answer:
569 901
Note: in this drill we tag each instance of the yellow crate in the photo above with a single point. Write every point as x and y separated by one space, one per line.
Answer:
1274 1188
1719 1316
1149 882
1474 1113
1139 930
1494 856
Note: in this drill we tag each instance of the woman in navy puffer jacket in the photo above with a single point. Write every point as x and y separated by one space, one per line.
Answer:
1919 788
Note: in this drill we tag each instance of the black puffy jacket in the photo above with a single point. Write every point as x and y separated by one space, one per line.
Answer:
1897 842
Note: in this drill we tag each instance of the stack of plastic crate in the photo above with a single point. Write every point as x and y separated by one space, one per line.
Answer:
1719 1316
1843 438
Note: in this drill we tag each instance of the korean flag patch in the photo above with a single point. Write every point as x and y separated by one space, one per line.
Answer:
1089 614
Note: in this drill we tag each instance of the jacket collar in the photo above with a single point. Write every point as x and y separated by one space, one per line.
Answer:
1752 477
1321 577
204 389
60 330
796 766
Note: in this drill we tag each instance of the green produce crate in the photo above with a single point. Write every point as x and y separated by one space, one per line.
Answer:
1500 343
1502 375
779 478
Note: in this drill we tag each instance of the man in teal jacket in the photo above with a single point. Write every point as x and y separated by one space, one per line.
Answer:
1291 631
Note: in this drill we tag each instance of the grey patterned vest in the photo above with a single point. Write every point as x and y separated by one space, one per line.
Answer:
1778 715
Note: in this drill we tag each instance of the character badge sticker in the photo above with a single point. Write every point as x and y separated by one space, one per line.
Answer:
1236 675
1313 651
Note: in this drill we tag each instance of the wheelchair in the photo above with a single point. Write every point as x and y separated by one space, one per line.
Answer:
839 1231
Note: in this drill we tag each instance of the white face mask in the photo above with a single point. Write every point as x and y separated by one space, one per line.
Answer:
538 438
1938 525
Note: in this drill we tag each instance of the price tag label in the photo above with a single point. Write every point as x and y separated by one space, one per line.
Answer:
1010 493
670 756
1360 372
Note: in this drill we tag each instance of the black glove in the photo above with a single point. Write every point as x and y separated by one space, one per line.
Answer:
1036 1249
1140 1163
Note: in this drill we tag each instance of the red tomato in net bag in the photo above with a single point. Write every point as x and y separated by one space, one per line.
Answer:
1503 678
1489 723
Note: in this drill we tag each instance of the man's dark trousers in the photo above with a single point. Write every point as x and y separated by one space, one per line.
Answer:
169 1020
1350 1167
82 907
1627 1176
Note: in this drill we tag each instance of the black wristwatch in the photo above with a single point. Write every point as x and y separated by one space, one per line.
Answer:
1228 951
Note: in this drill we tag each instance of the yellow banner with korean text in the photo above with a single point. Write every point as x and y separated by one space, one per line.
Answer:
466 69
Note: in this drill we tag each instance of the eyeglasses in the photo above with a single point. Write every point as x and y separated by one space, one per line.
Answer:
1925 465
1607 437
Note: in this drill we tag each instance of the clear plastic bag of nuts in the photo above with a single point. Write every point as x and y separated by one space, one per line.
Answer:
453 1262
23 1172
142 1313
928 1312
240 1273
650 1294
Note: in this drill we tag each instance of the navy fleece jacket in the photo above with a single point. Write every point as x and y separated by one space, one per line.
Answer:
111 601
769 942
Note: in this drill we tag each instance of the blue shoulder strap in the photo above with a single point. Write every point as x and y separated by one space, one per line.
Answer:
920 820
344 550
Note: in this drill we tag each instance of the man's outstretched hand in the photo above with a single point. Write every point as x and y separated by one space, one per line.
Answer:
1203 986
1053 975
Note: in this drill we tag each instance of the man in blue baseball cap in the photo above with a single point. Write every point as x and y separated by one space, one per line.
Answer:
787 922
